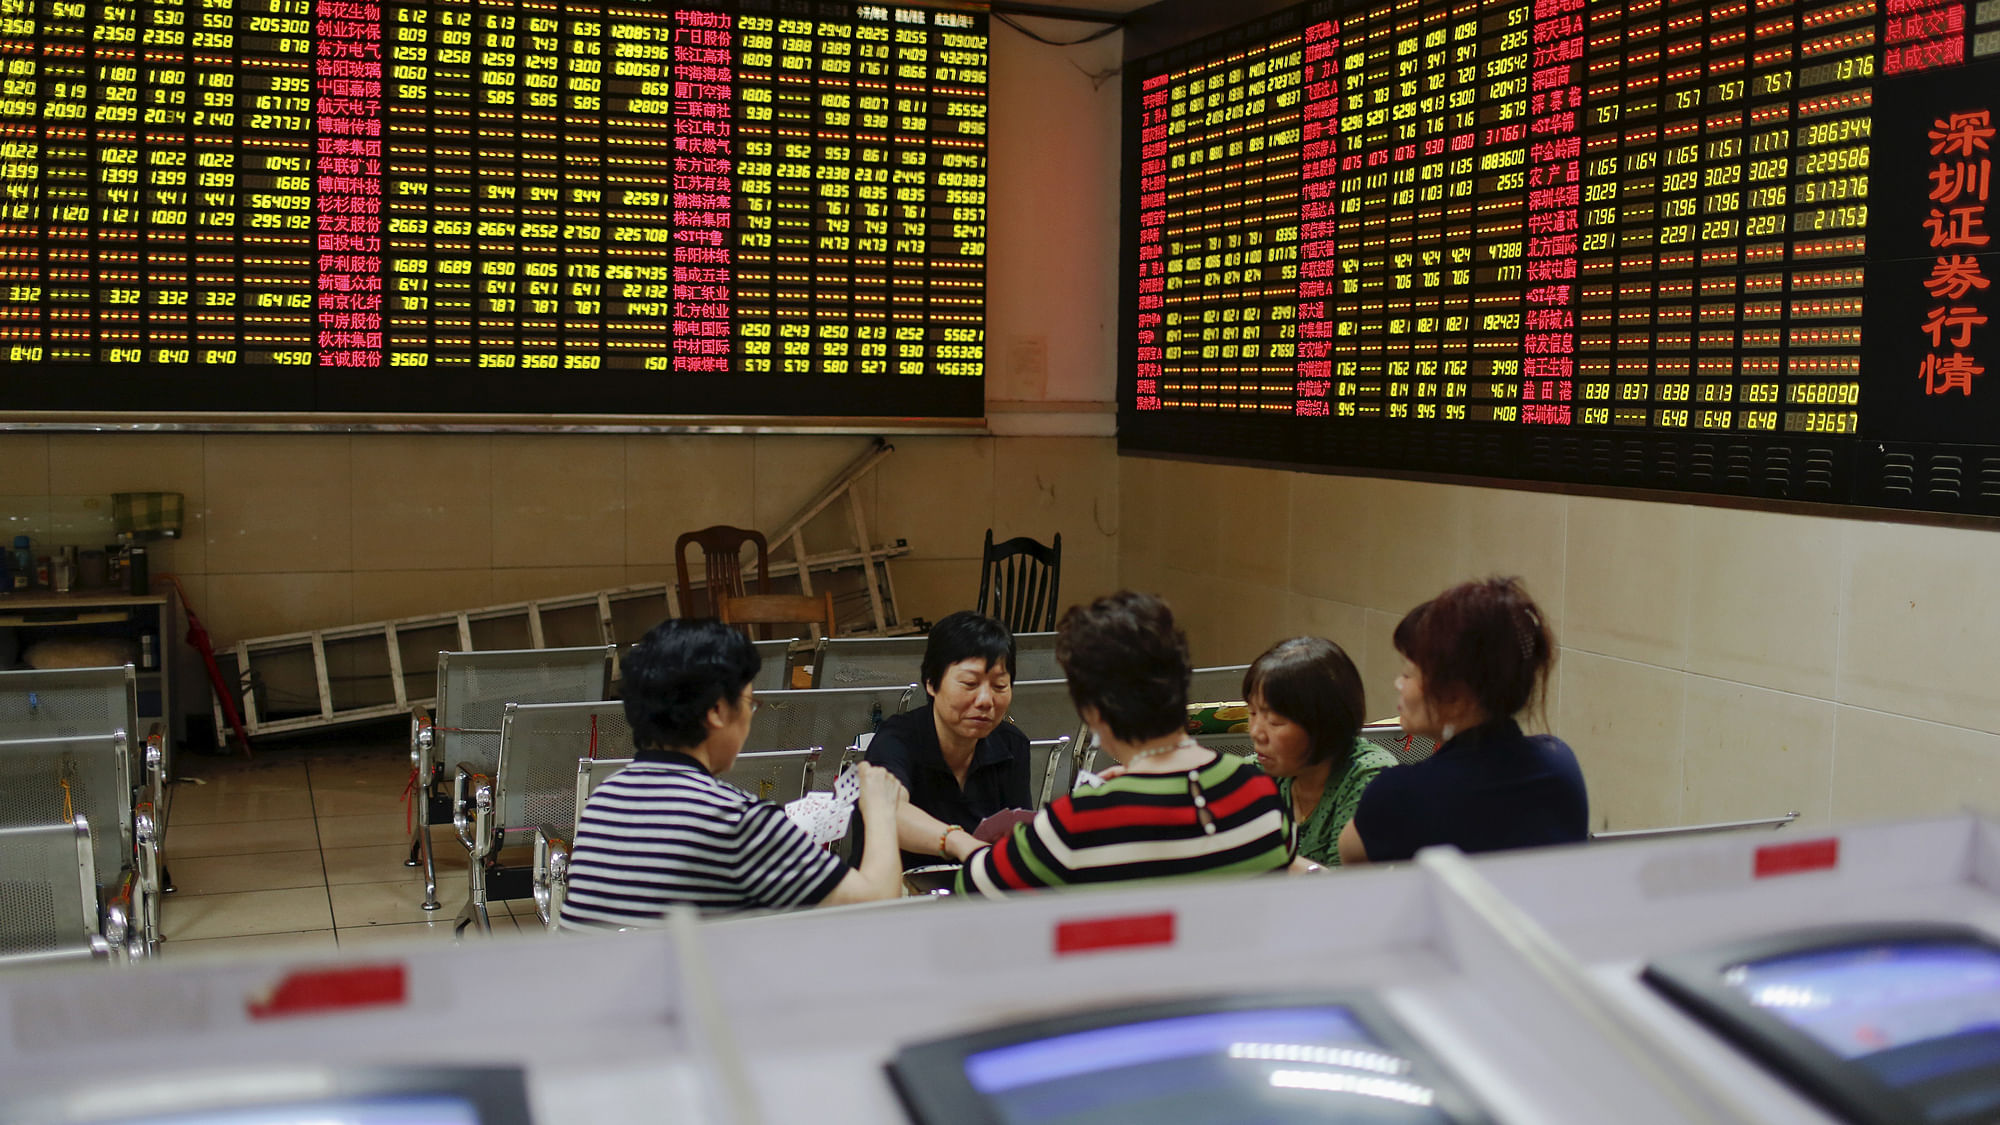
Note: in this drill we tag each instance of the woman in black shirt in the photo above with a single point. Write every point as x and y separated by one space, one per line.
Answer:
1474 657
957 755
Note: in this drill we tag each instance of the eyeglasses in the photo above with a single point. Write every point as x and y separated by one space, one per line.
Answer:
754 703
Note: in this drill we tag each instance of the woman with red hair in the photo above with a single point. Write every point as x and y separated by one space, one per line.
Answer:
1474 658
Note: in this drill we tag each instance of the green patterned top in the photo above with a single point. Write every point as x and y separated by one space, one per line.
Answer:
1319 834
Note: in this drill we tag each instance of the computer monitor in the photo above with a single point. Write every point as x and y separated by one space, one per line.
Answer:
1339 1059
333 1096
1882 1025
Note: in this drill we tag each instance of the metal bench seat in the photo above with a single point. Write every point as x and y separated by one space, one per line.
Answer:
48 896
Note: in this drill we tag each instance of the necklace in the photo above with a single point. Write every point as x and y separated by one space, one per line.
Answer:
1158 752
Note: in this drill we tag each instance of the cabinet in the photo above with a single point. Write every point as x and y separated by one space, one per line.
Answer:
27 619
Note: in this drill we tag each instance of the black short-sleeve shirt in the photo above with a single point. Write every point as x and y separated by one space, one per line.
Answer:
907 746
1488 789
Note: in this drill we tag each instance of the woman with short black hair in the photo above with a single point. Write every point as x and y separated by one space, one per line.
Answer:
1474 658
1306 704
1172 807
957 755
665 831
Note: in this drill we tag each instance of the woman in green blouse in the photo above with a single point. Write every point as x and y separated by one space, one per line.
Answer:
1306 704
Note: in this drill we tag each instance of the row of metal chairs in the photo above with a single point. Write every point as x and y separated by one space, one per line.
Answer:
79 793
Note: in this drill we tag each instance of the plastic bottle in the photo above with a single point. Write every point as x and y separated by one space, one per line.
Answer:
24 564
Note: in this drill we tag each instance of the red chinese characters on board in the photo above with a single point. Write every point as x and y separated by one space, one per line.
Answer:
347 69
1548 365
1154 115
702 127
1961 187
1317 249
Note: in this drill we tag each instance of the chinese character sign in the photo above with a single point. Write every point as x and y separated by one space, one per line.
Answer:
1961 146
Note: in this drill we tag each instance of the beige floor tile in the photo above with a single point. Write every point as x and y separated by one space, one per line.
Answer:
361 831
383 863
259 871
415 933
234 774
190 917
190 841
298 941
386 904
352 801
212 804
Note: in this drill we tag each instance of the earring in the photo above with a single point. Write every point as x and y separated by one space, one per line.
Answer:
1448 731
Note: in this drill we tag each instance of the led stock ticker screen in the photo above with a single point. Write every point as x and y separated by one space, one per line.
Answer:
492 205
1735 246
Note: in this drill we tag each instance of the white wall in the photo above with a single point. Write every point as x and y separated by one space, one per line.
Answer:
1714 663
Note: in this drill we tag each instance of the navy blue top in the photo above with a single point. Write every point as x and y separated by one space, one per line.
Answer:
907 746
1488 789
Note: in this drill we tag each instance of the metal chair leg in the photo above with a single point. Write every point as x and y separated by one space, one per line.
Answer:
422 845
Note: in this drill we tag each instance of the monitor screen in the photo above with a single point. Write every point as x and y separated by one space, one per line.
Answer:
1882 1024
1908 1013
1188 1064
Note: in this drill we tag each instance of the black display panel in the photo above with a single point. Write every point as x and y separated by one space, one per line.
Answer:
444 206
1883 1025
1727 246
1339 1059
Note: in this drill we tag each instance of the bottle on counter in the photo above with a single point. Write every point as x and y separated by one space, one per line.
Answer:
65 569
136 570
24 564
114 565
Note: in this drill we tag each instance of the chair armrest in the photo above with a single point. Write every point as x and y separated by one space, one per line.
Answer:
155 759
423 741
551 880
472 810
116 925
146 849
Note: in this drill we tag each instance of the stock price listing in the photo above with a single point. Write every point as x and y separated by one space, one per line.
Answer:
427 199
1625 241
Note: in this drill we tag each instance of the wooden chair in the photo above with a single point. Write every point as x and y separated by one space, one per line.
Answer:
722 565
1018 581
779 609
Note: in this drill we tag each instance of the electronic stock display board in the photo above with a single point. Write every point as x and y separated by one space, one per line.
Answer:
1729 246
765 207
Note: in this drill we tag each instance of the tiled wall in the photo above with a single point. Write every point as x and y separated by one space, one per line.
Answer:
291 532
1715 664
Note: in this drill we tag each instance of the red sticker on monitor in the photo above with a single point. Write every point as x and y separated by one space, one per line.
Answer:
330 990
1121 932
1791 859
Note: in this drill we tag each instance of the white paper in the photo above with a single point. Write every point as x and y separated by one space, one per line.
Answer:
825 816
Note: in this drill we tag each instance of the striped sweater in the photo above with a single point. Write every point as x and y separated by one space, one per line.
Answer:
666 833
1223 818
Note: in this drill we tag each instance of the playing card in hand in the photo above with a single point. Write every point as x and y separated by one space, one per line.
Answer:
997 827
825 816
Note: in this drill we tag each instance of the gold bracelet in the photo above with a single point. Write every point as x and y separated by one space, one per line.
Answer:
946 835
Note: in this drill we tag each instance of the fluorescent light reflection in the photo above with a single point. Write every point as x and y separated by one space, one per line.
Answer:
1388 1089
1350 1057
1788 996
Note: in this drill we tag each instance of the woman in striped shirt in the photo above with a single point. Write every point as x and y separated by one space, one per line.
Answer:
665 831
1172 807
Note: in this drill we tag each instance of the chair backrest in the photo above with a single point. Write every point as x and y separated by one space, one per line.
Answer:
1222 684
722 564
777 776
590 773
787 720
539 747
1407 748
474 688
1233 742
54 780
48 892
778 609
1762 824
850 662
1019 580
66 702
1042 709
1051 768
774 673
1036 655
60 702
